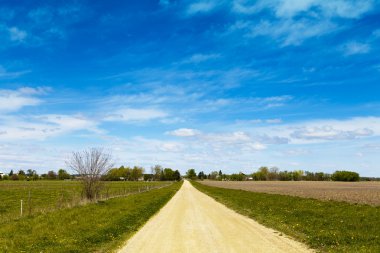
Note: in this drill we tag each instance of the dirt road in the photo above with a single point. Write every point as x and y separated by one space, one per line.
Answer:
194 222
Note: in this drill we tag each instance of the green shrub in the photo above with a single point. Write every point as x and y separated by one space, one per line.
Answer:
345 176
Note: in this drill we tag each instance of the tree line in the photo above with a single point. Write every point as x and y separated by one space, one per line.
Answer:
136 173
32 175
274 174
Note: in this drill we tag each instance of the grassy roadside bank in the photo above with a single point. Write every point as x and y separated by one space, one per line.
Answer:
325 226
51 195
99 227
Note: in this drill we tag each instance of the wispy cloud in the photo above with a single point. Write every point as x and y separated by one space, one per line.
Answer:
184 132
17 35
316 131
130 115
4 74
290 32
290 8
354 48
293 22
330 133
42 127
198 58
219 141
14 100
260 121
201 7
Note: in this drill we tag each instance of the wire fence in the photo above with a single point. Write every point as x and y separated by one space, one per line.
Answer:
18 199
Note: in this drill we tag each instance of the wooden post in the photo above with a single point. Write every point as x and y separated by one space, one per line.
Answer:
29 204
21 209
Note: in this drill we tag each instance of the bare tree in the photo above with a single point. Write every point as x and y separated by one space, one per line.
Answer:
90 164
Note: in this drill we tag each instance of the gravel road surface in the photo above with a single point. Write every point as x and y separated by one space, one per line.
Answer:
194 222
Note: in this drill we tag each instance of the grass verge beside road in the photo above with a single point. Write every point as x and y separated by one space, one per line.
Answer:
327 226
97 227
44 196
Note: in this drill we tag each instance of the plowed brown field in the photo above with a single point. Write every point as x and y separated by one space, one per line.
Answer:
353 192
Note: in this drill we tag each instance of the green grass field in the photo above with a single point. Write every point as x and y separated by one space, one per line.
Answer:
95 227
327 226
47 196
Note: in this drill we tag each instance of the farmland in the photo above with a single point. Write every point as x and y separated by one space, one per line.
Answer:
94 227
327 226
352 192
46 196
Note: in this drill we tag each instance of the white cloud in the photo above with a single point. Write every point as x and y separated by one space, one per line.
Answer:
272 102
184 132
296 152
312 132
14 100
330 133
254 146
277 98
34 91
343 8
273 139
43 126
273 121
353 48
171 147
237 140
318 131
70 122
291 8
10 75
133 115
240 6
17 34
233 137
198 58
218 143
297 21
201 7
260 121
291 32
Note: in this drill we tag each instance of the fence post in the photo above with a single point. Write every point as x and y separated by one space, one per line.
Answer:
29 203
21 209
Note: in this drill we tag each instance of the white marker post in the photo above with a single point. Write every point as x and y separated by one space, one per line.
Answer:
21 209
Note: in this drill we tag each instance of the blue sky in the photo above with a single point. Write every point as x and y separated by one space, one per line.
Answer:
230 85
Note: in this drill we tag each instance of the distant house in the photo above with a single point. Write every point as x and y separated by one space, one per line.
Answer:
2 174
